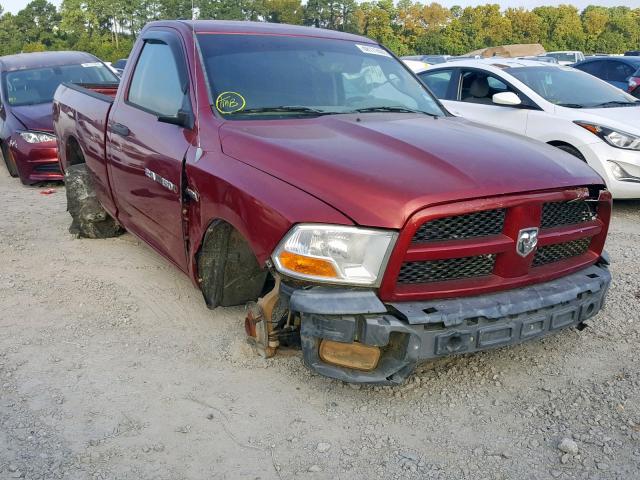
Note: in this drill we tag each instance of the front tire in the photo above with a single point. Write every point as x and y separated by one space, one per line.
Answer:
90 220
9 161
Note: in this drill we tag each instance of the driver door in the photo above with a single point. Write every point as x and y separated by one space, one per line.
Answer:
147 143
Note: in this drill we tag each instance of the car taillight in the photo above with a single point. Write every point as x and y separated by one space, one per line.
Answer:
633 83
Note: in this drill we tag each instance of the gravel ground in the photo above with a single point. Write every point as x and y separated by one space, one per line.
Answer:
111 367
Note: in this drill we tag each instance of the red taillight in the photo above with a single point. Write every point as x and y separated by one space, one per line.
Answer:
633 84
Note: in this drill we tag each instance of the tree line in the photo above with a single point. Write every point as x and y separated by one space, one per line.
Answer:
108 28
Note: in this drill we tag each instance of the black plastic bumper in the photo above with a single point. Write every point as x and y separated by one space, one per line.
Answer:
411 332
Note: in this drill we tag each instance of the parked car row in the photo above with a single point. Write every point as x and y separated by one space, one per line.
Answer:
338 196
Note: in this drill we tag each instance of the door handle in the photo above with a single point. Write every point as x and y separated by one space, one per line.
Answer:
120 129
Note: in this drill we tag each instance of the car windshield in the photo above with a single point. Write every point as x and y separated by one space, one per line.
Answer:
563 56
37 85
572 88
270 76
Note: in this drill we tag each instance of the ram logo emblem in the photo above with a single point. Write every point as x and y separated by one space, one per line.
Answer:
527 241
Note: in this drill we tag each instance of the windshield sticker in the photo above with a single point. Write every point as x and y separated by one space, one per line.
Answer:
230 102
91 64
372 50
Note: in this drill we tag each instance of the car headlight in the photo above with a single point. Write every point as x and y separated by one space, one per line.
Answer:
335 254
615 138
37 137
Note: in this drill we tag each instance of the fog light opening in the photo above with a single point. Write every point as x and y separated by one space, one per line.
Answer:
356 356
590 309
454 343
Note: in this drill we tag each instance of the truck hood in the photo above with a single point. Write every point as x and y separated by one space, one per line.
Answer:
379 168
35 117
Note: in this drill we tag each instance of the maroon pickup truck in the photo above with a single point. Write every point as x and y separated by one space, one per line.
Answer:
311 171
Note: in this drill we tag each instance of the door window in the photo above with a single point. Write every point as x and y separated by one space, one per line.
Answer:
619 72
597 69
480 87
155 85
438 81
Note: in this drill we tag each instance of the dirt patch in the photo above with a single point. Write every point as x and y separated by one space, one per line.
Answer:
112 367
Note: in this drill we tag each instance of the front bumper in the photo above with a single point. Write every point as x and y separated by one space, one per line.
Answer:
36 162
411 332
599 155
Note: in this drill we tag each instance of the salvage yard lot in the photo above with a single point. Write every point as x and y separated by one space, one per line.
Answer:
111 367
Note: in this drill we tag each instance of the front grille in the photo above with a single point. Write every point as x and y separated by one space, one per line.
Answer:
561 251
47 168
556 214
448 269
470 225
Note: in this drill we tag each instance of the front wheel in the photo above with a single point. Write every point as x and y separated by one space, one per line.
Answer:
9 161
90 220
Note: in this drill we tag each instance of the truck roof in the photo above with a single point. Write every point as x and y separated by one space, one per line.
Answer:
43 59
264 28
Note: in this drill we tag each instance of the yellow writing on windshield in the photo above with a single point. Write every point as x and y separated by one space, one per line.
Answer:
229 102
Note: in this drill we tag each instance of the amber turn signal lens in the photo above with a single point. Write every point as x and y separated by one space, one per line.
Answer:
592 128
307 265
350 355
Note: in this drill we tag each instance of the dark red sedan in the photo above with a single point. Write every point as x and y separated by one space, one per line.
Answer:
28 81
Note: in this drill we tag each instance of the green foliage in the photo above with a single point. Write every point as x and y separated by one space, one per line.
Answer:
108 28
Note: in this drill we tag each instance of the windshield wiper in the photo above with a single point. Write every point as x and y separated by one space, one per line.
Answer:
614 103
391 109
284 109
570 105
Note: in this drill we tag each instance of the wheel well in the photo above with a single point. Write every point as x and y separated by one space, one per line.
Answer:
228 271
567 147
73 153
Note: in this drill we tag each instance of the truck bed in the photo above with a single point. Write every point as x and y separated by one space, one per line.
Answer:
103 92
80 116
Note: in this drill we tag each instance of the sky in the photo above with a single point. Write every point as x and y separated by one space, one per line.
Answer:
15 5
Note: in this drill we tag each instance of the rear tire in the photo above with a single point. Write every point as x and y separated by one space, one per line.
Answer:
90 220
9 161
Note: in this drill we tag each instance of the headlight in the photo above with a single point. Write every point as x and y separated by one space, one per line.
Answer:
615 138
37 137
335 254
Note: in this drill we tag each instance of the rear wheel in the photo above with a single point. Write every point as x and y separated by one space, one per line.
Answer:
90 220
9 161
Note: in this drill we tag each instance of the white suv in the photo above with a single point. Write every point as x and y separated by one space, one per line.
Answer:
558 105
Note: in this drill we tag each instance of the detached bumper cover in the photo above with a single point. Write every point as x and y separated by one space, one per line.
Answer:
411 332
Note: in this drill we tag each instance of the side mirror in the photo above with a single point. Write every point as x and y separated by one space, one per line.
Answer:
506 98
183 119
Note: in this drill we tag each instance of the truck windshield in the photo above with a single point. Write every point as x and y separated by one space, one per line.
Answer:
571 88
268 76
37 85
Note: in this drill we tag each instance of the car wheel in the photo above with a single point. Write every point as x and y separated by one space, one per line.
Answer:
90 220
9 161
572 150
